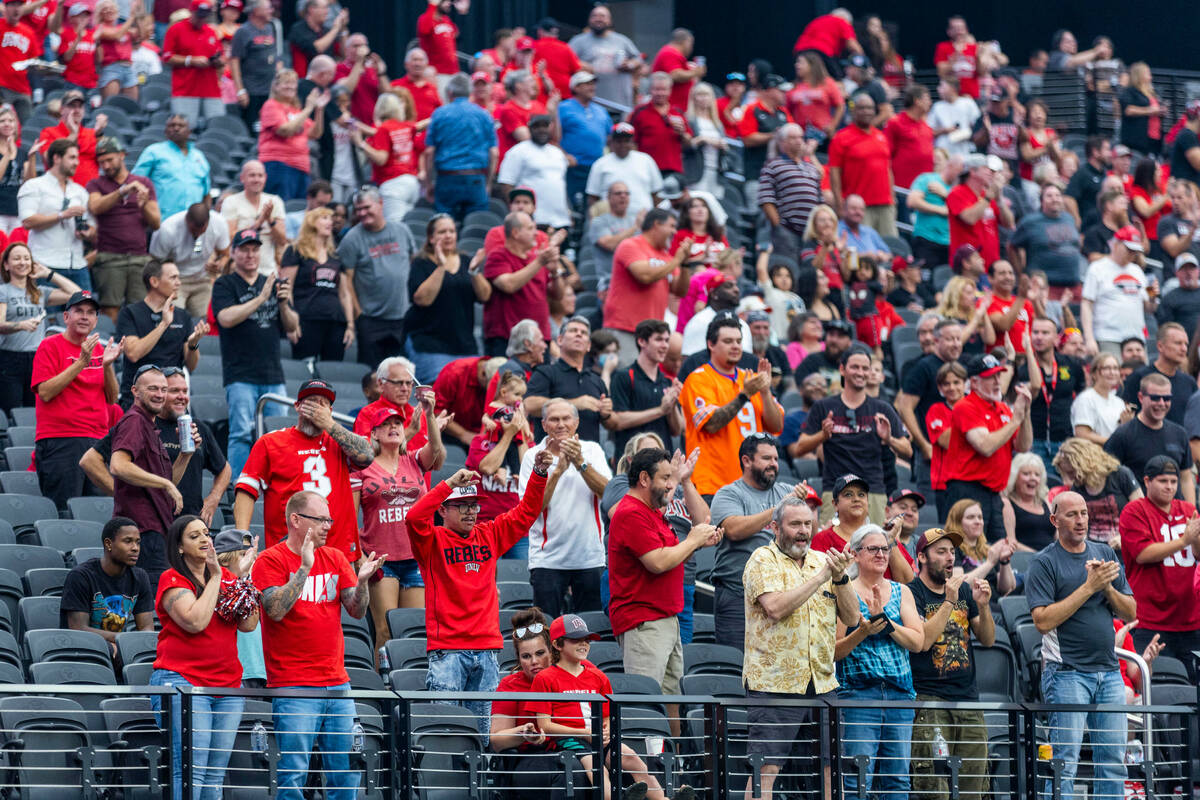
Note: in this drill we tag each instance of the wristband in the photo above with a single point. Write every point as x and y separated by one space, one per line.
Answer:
539 471
843 581
241 92
745 398
889 627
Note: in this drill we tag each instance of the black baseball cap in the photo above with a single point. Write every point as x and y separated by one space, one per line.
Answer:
244 237
773 81
318 387
838 326
521 190
984 366
84 296
1160 465
848 480
907 494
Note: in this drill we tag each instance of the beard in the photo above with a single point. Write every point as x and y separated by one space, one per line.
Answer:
764 477
937 573
760 344
658 498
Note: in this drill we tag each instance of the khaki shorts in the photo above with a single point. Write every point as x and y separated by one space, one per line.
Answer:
876 508
654 649
118 278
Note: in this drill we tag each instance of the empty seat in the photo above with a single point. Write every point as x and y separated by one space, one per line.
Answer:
82 555
357 629
65 535
358 654
96 509
136 647
21 558
598 623
607 656
704 628
18 458
20 482
406 623
703 658
515 595
137 674
22 435
46 581
23 510
45 739
136 741
406 654
57 644
37 613
407 680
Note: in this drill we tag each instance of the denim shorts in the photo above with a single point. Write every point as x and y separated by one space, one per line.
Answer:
406 571
121 72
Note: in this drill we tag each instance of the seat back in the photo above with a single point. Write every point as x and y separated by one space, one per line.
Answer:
406 653
47 581
43 735
718 659
607 656
35 613
136 737
53 644
443 735
21 558
406 623
96 509
247 768
65 535
137 647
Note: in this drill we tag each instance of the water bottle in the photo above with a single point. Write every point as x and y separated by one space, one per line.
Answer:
940 748
359 737
258 737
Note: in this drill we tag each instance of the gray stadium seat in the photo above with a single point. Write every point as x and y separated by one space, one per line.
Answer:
96 509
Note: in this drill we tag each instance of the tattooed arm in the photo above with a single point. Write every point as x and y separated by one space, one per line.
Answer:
725 414
357 449
277 601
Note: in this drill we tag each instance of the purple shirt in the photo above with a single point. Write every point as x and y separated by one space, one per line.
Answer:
151 509
121 229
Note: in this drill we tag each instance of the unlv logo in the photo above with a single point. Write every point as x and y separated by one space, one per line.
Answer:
14 39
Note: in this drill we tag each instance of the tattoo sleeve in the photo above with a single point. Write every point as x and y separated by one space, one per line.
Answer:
357 449
355 600
724 415
278 600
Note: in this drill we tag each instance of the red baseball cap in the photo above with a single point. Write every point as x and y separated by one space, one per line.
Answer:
202 5
811 496
238 4
382 415
1130 237
525 43
480 75
571 626
714 281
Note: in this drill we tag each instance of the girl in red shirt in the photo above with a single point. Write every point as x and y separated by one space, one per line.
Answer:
116 50
951 383
393 153
1038 142
1148 198
708 238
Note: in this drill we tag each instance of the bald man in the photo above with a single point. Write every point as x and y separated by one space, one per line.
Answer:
259 211
1075 588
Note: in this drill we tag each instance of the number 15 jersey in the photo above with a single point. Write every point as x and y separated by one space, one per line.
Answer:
284 462
704 392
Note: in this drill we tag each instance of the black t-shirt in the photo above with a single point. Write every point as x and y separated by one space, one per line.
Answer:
855 446
1096 239
1085 188
1135 131
1182 389
10 183
1133 444
109 602
250 349
903 298
315 290
560 379
304 38
1004 138
946 670
1180 305
1180 166
632 390
818 362
1175 225
1053 422
779 366
138 319
920 380
446 324
208 457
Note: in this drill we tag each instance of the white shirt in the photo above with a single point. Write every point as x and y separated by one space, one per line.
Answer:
242 213
637 171
695 333
543 169
714 206
1101 414
960 114
1119 295
568 534
173 242
55 246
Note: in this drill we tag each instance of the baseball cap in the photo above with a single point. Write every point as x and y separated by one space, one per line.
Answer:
231 540
480 76
72 96
468 492
900 263
1121 150
772 81
838 326
84 296
202 5
109 144
934 535
382 415
846 481
962 254
238 4
671 189
571 626
994 163
622 129
736 76
244 237
539 119
1185 259
1160 465
1130 237
583 76
525 43
521 190
316 386
812 496
974 161
984 366
858 60
548 24
714 281
908 494
758 316
78 8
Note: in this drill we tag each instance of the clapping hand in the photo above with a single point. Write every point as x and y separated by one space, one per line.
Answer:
249 555
883 427
308 548
543 460
1101 574
369 566
981 591
1152 650
837 561
875 601
112 351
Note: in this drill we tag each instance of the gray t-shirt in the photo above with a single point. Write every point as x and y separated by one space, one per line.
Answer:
606 54
1085 640
380 262
1051 245
255 47
739 499
18 308
598 228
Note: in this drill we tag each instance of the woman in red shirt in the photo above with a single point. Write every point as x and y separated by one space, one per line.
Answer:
393 154
231 14
708 238
816 102
202 606
116 49
951 383
286 131
1038 142
1149 200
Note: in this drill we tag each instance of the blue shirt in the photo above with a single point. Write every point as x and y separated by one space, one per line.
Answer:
867 240
463 133
180 179
930 227
584 130
877 659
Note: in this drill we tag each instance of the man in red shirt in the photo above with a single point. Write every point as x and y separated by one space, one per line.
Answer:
77 48
192 48
512 117
523 199
459 391
424 93
316 455
1160 540
974 212
18 42
437 35
1011 313
71 127
458 564
984 434
364 74
831 36
959 57
553 58
395 382
305 587
860 163
673 60
660 128
522 278
910 137
639 288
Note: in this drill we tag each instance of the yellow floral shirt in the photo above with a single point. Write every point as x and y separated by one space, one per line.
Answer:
784 656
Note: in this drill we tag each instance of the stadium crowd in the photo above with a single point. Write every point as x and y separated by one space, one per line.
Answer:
615 321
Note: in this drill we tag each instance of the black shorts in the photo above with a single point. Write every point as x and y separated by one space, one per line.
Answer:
782 734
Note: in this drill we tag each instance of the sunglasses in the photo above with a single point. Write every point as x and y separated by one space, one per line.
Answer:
1159 398
534 629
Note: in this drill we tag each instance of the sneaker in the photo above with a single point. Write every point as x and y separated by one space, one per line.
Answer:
637 791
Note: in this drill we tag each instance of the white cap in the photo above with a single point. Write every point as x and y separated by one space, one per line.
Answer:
467 492
1184 259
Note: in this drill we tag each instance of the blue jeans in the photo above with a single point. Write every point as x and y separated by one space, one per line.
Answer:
465 671
883 735
242 398
519 551
328 721
1106 731
286 181
686 627
459 195
1047 451
214 727
428 365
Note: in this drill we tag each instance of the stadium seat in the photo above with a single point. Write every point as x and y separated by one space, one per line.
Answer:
58 644
512 570
607 656
21 558
248 773
81 555
7 534
366 679
343 372
483 219
597 622
25 415
623 683
6 620
406 623
44 739
11 588
407 680
1029 640
515 595
21 436
22 511
358 653
136 741
96 509
18 458
357 629
406 654
996 673
137 647
74 673
713 659
46 581
137 674
10 673
1168 671
20 482
10 651
1015 609
37 613
65 535
704 628
710 684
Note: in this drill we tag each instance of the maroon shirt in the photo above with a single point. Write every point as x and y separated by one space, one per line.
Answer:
502 311
151 509
121 229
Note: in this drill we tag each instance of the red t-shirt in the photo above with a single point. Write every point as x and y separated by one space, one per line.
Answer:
366 92
80 408
864 158
1165 591
700 242
87 149
937 422
730 116
39 19
425 97
1150 223
284 462
17 43
503 310
814 105
462 605
458 392
1024 317
184 39
630 301
560 60
654 136
115 50
396 139
639 595
495 496
385 499
965 66
984 234
513 682
911 142
362 423
438 37
670 58
826 34
963 462
556 680
81 69
305 648
207 658
494 240
513 115
828 539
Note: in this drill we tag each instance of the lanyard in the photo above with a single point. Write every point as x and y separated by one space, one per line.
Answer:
1048 396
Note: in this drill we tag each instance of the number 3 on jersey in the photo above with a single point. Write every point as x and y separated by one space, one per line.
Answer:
1184 557
747 420
314 468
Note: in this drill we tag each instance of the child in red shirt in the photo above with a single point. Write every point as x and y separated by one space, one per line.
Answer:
510 392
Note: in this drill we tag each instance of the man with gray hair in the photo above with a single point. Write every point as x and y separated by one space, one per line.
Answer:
789 188
395 380
513 116
522 278
660 128
461 152
526 350
364 74
321 72
424 92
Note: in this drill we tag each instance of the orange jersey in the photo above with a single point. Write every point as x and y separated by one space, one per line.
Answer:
704 392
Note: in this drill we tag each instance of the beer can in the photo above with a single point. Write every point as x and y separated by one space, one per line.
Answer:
1045 752
186 443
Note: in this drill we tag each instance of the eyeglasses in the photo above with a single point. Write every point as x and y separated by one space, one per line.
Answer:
761 437
465 508
535 629
398 383
1159 398
318 520
876 549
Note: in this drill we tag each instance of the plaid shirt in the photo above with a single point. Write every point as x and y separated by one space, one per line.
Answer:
878 659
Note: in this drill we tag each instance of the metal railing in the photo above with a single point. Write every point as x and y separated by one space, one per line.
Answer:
260 416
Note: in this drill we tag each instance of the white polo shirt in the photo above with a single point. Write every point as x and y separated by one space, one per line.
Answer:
569 533
543 169
56 246
174 242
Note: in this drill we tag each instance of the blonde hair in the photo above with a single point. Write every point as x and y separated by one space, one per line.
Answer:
396 104
810 228
1139 78
632 447
1087 461
306 241
948 306
283 75
954 518
1019 462
711 114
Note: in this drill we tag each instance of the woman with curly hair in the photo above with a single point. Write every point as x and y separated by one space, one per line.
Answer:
1025 508
960 300
975 557
1106 486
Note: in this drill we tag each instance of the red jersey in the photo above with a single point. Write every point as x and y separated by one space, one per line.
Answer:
828 539
1151 222
731 116
87 168
495 496
113 51
963 462
362 423
39 19
509 117
366 92
937 422
1024 317
983 234
671 58
556 680
964 65
396 139
560 60
17 43
385 499
305 648
425 97
206 658
911 143
462 605
185 39
80 408
458 392
1165 591
437 35
81 69
864 158
826 34
639 595
630 301
701 242
654 135
503 310
284 462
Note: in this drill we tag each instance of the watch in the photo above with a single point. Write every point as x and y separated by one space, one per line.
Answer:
844 580
584 467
